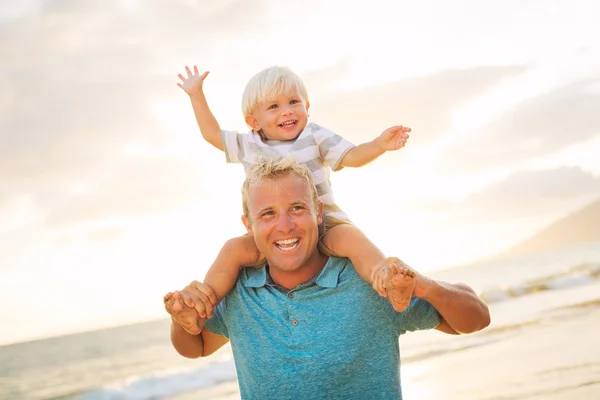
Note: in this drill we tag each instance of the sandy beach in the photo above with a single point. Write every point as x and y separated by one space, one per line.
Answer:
554 356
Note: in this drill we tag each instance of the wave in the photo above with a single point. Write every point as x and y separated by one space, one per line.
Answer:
165 384
572 277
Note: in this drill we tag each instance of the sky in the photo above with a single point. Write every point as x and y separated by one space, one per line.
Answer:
110 198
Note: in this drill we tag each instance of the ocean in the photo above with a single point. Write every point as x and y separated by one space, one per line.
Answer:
137 362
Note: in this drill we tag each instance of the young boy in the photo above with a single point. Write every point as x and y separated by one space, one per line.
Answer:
275 106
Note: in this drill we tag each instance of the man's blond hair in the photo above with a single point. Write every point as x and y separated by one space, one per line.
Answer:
269 84
270 168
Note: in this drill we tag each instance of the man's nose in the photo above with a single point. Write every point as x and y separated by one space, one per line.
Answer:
285 223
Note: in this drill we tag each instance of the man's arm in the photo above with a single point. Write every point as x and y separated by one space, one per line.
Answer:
209 127
188 336
194 346
393 138
461 309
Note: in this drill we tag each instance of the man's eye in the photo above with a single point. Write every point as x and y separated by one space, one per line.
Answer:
297 208
267 214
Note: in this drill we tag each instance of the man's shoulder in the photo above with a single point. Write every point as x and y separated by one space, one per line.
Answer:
341 264
346 273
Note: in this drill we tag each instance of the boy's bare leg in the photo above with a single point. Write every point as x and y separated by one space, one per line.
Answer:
223 273
346 240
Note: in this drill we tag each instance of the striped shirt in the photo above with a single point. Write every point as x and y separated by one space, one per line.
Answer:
317 147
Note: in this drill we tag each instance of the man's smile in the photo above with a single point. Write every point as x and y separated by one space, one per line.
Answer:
287 244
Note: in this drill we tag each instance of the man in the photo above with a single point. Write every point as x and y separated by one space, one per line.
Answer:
306 325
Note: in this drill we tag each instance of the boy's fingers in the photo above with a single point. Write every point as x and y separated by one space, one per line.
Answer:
195 70
189 72
204 75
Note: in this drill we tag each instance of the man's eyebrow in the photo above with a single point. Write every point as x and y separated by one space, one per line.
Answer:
299 202
294 203
262 210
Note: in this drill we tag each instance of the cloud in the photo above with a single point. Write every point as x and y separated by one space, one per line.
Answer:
531 129
78 88
525 195
426 104
139 187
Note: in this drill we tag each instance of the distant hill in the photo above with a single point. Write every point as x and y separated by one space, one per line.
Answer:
580 226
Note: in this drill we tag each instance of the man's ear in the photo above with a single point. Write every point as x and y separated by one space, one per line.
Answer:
320 213
253 122
247 224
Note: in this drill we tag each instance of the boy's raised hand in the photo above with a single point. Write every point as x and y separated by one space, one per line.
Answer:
393 138
193 83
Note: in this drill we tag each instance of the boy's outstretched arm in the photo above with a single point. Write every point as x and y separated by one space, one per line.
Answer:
393 138
209 127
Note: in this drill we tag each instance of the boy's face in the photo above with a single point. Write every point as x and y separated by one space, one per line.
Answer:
281 119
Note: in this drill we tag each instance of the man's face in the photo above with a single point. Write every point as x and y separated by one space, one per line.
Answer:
284 118
284 222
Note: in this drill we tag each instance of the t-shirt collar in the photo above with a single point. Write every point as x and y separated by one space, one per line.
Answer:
327 278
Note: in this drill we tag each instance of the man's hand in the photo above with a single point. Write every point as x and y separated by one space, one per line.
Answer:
193 83
393 138
422 283
398 279
458 304
183 315
192 306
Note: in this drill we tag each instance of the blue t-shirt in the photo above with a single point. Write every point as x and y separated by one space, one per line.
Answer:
331 338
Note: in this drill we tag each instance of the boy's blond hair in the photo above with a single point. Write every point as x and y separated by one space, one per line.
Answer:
270 168
269 84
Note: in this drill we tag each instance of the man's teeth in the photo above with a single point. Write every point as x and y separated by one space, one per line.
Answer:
287 241
287 244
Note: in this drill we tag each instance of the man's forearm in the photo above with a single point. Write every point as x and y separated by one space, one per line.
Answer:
362 155
209 127
458 304
186 344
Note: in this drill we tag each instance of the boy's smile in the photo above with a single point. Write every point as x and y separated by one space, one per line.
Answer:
283 118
